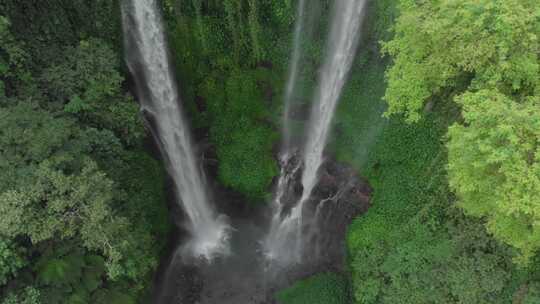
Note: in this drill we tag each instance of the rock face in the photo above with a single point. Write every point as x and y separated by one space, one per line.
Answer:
339 197
244 277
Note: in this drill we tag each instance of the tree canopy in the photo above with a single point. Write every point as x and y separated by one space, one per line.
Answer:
483 55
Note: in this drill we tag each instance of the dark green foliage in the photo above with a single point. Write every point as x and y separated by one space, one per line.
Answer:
84 218
85 81
327 288
60 194
83 214
532 295
46 27
11 260
28 295
232 59
242 133
220 51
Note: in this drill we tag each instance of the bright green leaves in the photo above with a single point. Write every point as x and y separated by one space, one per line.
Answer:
494 166
494 43
483 55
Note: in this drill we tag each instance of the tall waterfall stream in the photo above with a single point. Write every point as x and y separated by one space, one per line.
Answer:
148 61
286 231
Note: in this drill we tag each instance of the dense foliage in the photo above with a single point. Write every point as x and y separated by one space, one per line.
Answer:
445 127
324 288
485 56
80 223
413 245
232 90
494 166
232 59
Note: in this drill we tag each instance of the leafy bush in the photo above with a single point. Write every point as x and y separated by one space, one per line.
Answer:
327 288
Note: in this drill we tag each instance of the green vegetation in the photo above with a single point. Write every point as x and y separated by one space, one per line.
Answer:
232 60
484 56
494 166
441 114
230 84
325 288
414 245
80 223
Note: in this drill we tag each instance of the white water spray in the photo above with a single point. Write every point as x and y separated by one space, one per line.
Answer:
341 48
148 61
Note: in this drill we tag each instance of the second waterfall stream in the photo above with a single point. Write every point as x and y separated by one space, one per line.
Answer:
284 243
148 61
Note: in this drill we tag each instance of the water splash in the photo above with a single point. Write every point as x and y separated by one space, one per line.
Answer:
148 61
281 238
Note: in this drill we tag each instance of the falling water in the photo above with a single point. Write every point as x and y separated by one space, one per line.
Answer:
293 76
341 48
342 45
148 61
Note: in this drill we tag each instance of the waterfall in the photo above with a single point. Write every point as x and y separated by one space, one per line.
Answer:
148 61
293 75
285 240
342 44
275 241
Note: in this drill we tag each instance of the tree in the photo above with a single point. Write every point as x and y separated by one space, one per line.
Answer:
13 59
483 55
460 45
74 173
52 192
494 166
87 83
11 260
28 295
423 263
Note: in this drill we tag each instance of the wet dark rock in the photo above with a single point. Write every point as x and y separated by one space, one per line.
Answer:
340 196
